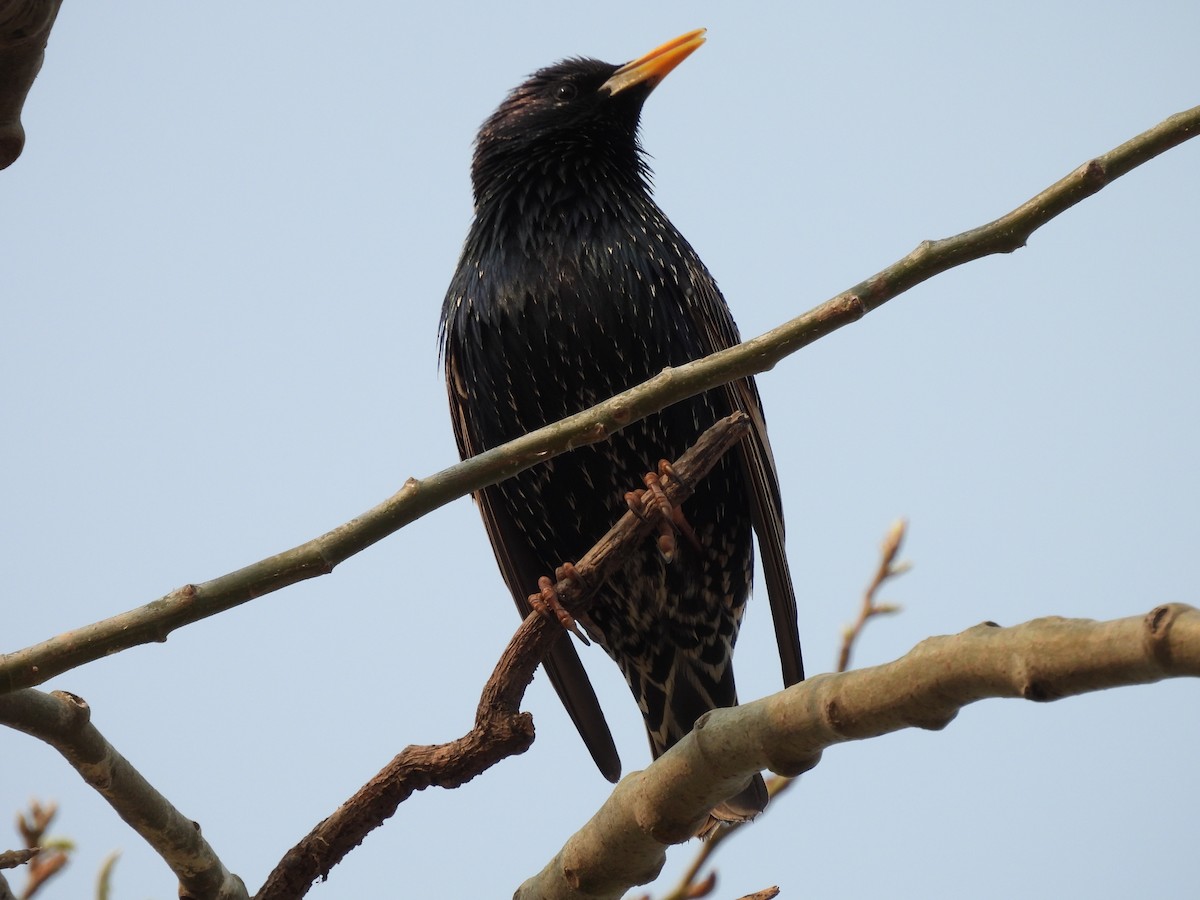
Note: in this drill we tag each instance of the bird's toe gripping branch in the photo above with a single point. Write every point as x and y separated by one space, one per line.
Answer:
649 504
550 604
652 503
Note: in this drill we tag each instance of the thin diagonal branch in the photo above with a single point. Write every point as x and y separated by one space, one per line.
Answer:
191 603
500 729
64 721
625 843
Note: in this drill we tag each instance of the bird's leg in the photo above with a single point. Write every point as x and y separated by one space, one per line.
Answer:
670 518
549 602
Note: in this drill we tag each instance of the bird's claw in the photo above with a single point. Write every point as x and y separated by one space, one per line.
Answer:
652 502
549 602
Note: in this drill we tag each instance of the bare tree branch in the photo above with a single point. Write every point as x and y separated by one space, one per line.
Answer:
501 729
625 843
191 603
64 721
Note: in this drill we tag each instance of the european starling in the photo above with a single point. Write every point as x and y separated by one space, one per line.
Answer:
573 285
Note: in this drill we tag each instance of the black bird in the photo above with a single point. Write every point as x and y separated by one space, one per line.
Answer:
573 285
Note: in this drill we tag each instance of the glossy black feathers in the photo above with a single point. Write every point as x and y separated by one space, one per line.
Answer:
572 286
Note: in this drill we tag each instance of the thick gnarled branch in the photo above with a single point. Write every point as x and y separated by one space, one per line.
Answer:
624 844
500 729
191 603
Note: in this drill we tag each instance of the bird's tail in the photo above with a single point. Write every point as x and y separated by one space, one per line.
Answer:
742 807
686 699
745 805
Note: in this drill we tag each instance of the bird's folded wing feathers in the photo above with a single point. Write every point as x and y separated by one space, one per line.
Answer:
711 315
521 571
767 514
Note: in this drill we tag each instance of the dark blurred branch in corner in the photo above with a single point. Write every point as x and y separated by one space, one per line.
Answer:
24 30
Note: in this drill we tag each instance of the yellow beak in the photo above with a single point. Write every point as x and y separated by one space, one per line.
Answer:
655 65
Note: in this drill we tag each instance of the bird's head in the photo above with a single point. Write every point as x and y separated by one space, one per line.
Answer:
576 119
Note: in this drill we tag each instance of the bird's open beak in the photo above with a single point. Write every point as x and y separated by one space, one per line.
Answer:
655 65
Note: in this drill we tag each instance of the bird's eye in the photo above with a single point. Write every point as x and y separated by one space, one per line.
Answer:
565 91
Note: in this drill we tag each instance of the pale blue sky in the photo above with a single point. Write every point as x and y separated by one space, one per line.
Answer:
226 247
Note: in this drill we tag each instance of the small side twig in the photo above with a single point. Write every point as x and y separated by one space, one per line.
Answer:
104 876
887 570
44 862
500 729
10 859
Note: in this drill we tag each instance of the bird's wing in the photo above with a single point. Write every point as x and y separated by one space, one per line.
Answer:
519 568
758 464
